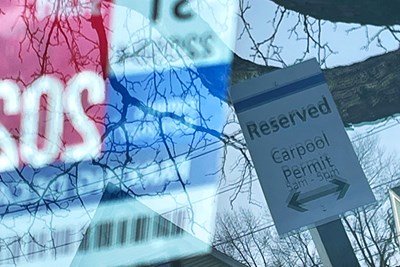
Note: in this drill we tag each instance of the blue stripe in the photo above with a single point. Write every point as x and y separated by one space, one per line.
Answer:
279 92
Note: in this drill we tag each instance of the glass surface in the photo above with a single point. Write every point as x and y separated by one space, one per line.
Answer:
97 93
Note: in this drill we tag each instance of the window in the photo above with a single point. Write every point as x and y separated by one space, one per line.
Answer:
104 235
122 232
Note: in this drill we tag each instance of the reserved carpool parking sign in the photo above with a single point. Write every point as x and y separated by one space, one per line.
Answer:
303 157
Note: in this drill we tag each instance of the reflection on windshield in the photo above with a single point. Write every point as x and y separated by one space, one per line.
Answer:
128 92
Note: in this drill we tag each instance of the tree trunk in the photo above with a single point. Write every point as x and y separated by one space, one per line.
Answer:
364 92
373 12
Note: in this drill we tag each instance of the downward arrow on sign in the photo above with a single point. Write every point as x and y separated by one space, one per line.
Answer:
337 185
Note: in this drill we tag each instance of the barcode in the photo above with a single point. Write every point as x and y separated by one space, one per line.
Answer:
129 232
102 235
36 246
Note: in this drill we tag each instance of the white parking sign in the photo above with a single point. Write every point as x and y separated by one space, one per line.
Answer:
303 157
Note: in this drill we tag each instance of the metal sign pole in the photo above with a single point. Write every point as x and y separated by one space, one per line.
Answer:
333 245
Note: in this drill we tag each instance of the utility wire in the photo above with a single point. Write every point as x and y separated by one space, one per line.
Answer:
221 191
225 189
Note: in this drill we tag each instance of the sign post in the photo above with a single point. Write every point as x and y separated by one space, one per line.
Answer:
303 157
333 245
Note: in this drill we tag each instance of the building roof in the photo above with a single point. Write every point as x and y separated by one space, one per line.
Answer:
213 259
396 190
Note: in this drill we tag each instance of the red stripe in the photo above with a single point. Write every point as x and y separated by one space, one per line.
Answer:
56 40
